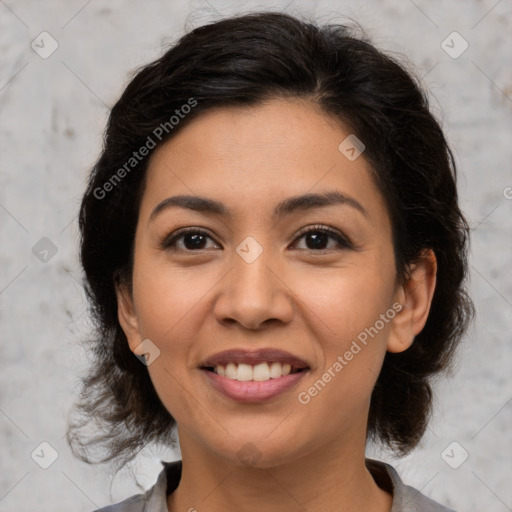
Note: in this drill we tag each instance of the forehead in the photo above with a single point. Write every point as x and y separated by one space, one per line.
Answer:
250 158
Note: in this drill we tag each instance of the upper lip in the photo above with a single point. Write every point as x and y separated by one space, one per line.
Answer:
254 357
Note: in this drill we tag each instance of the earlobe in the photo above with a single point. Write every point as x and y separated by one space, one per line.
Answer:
415 296
128 317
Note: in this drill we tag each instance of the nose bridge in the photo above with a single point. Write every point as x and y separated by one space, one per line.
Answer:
253 292
252 269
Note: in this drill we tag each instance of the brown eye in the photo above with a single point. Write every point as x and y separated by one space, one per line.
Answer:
317 239
188 239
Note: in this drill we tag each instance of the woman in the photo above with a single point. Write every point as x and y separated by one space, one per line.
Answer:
276 262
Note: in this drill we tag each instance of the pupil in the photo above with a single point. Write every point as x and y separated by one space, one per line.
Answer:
197 241
319 240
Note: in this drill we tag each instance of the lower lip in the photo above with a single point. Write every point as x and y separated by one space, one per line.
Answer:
252 391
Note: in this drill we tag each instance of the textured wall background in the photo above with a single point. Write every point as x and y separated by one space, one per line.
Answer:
53 109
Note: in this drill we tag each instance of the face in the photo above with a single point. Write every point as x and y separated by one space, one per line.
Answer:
310 283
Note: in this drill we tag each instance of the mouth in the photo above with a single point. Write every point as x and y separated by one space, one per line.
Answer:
258 373
259 366
253 376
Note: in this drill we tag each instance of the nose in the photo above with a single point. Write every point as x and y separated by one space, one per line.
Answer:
254 294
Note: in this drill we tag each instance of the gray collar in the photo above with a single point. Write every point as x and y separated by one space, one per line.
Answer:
405 497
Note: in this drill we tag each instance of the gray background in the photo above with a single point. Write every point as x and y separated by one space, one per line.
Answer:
52 114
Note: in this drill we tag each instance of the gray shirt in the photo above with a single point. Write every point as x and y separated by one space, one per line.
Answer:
405 498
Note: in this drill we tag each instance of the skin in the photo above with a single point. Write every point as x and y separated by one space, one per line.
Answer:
192 303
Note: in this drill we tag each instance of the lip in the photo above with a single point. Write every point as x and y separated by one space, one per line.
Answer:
254 357
252 391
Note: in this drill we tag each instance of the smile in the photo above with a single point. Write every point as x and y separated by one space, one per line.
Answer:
253 375
253 391
259 372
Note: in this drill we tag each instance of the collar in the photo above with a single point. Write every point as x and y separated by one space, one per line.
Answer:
405 498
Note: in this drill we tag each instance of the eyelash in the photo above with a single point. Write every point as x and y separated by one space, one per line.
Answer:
343 243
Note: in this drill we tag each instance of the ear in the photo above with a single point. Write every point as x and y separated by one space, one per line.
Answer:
415 297
128 318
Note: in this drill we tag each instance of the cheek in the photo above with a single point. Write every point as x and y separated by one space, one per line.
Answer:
169 304
167 298
350 314
346 300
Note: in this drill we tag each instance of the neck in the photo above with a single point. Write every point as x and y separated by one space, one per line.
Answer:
328 479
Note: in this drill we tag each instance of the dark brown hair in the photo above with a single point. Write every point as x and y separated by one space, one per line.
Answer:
245 60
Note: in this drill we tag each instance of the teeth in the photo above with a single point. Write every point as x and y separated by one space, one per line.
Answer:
259 372
244 372
275 370
230 371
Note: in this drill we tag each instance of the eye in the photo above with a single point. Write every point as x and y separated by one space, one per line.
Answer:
192 238
317 239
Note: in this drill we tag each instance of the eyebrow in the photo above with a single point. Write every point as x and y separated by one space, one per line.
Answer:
286 207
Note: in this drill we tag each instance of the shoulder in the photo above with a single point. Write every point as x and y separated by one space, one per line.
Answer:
154 499
418 502
135 503
405 497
